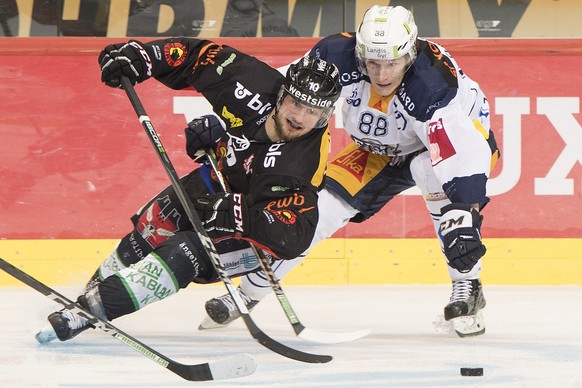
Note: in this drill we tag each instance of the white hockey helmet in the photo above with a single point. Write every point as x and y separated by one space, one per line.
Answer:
386 33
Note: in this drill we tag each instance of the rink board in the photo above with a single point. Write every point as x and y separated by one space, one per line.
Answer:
81 165
336 261
76 170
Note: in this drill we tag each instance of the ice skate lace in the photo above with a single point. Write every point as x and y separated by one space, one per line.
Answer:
75 321
462 290
229 302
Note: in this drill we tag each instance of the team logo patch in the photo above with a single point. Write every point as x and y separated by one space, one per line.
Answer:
221 149
158 223
354 162
221 67
232 119
440 147
175 53
286 216
280 208
249 261
247 165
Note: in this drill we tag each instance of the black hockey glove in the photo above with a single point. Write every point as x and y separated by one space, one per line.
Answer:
223 215
128 59
202 133
459 227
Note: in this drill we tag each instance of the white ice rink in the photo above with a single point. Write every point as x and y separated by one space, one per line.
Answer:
533 339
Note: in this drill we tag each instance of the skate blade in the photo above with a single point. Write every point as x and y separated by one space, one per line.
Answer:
208 324
46 335
470 325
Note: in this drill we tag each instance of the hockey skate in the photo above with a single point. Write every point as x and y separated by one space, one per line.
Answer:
222 310
464 309
63 325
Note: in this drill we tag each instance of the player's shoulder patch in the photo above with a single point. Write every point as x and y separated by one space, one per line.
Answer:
339 49
431 83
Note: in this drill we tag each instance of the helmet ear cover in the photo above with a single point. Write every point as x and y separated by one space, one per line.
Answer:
313 82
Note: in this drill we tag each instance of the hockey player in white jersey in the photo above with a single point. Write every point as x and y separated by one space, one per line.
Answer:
416 119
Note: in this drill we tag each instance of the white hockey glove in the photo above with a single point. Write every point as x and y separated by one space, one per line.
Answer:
460 227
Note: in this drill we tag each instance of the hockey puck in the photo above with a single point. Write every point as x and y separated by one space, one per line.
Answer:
471 371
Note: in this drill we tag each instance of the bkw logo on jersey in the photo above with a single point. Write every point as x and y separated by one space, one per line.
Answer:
255 104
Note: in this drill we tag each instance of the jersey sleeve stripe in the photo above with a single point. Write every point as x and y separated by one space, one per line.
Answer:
317 178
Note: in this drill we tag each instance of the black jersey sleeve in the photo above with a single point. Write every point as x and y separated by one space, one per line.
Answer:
240 88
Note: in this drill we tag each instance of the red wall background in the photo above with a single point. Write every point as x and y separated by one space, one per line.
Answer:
75 163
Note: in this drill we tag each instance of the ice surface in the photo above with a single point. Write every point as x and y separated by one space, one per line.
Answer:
533 339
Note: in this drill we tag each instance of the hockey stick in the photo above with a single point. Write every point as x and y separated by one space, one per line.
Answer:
234 366
206 241
300 330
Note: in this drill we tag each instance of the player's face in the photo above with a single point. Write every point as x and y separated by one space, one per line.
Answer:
295 119
386 75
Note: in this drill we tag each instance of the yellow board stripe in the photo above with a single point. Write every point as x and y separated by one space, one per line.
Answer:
55 261
334 261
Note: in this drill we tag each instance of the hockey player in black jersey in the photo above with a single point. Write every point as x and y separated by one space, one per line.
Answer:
270 135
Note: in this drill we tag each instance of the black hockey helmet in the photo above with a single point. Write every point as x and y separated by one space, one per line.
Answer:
313 82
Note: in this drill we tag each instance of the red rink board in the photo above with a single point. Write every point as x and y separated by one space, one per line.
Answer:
75 163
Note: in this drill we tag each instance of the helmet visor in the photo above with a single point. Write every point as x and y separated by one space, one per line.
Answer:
321 114
396 66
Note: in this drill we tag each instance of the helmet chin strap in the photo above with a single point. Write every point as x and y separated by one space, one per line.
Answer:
270 123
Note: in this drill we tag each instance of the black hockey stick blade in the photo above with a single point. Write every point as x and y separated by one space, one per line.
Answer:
301 331
278 347
206 241
235 366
